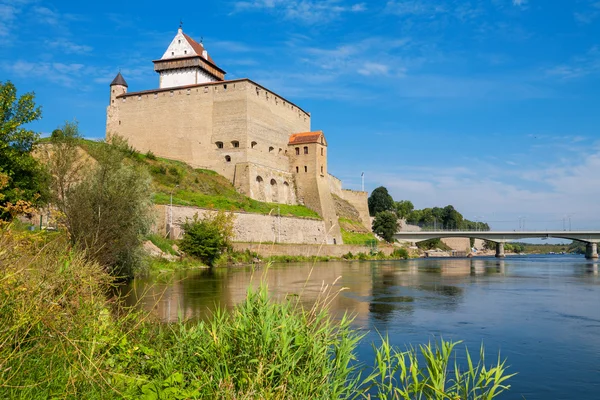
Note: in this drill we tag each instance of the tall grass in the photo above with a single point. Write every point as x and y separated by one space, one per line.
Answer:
63 336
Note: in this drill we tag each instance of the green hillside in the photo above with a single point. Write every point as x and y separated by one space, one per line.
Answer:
201 187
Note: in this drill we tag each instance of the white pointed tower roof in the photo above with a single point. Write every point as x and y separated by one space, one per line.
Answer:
184 53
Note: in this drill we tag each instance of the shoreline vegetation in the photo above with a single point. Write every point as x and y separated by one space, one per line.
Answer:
65 335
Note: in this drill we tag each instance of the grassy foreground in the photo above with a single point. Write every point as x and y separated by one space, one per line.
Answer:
62 336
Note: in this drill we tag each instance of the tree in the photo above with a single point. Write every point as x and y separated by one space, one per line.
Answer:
403 208
64 161
385 225
26 180
451 218
380 200
209 237
109 210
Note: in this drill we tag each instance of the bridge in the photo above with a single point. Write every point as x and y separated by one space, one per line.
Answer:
590 238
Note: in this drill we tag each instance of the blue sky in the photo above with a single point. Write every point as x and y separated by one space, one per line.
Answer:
491 106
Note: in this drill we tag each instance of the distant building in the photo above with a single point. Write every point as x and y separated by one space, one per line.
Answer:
260 141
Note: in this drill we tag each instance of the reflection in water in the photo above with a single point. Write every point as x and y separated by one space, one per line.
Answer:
371 289
537 310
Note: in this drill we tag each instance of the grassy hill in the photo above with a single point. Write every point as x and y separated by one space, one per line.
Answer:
201 188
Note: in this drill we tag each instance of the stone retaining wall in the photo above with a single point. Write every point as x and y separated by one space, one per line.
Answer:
307 250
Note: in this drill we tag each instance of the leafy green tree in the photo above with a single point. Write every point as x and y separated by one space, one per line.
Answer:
451 219
404 208
109 210
207 238
385 225
26 179
380 200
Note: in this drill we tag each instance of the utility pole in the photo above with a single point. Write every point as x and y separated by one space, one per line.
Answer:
362 177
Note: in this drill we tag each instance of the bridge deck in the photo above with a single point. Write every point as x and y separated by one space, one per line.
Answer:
499 236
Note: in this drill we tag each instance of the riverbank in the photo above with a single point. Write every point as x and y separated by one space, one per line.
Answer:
64 337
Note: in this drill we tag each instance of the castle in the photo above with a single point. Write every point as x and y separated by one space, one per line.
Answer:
257 139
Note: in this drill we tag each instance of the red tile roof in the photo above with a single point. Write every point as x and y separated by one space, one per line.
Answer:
306 137
198 47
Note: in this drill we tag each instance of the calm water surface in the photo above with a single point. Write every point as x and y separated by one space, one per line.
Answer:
541 312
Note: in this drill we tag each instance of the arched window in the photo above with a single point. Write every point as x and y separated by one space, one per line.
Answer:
305 149
235 143
228 158
297 151
261 188
321 170
274 191
219 145
252 144
297 170
321 151
271 148
305 168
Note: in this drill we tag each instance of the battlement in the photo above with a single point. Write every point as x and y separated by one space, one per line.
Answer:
221 87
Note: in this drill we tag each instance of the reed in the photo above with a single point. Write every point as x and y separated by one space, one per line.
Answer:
64 336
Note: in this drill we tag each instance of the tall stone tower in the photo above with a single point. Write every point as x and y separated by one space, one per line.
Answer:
117 87
186 62
307 154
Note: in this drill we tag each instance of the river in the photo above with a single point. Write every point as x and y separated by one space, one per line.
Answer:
542 313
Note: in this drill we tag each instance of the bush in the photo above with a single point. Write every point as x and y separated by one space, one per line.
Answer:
150 155
108 212
348 256
207 238
400 253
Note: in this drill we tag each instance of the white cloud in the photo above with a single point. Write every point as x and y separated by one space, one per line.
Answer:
578 66
370 68
557 188
9 11
519 3
305 11
68 47
414 7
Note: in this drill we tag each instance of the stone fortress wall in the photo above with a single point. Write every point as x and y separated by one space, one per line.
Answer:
251 228
213 125
356 198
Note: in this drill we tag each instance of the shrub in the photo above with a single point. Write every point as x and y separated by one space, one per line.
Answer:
400 253
362 256
209 237
109 210
348 256
150 155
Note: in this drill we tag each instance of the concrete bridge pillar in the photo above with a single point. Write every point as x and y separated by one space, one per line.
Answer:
499 250
591 251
